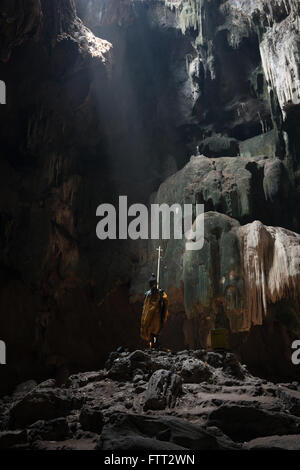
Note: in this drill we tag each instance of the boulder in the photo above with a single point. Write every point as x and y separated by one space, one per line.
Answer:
25 388
140 360
291 399
42 404
53 430
121 369
82 379
131 431
291 442
163 389
195 371
233 367
243 423
214 359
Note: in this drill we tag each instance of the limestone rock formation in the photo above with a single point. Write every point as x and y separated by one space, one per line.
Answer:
245 274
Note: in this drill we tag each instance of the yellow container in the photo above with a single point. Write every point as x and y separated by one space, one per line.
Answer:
220 339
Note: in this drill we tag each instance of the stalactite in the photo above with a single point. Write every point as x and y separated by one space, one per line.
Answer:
271 261
191 15
279 49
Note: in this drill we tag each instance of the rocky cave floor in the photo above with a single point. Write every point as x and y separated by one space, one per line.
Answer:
154 400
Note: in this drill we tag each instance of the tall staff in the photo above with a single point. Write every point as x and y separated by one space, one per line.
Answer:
159 249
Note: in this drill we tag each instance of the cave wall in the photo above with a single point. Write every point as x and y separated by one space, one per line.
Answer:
69 143
249 54
54 173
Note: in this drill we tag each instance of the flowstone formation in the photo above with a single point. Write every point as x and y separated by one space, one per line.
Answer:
246 274
154 400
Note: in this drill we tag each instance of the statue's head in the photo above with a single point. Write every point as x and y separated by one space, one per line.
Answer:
152 281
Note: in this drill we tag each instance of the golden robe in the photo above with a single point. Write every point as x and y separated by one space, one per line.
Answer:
155 313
